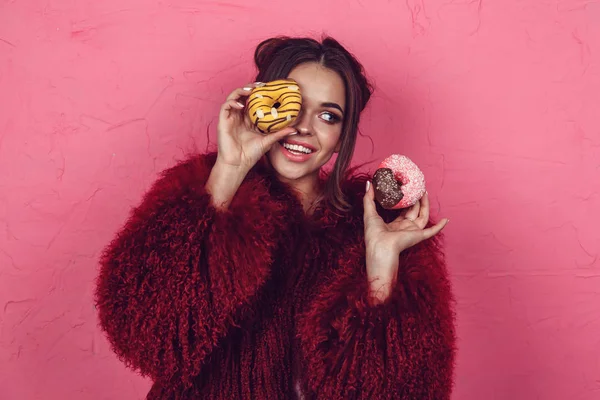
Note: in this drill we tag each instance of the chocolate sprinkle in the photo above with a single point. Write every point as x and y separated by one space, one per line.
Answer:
387 188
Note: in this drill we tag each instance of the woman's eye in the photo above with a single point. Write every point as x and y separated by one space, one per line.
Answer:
329 117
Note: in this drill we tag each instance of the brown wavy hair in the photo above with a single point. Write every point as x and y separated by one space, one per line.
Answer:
276 57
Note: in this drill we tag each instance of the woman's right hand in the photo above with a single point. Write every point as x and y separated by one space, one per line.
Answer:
240 146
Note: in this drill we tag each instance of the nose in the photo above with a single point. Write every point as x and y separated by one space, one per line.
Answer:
303 125
303 131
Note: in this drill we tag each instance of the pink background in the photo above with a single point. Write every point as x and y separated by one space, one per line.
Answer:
498 102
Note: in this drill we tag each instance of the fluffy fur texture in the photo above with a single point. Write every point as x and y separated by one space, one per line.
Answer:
261 301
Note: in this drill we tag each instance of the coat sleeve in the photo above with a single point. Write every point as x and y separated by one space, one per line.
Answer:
400 349
180 273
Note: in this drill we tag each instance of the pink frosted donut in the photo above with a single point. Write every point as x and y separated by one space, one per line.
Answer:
398 182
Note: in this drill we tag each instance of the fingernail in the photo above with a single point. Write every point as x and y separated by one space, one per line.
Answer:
247 89
293 133
368 185
239 104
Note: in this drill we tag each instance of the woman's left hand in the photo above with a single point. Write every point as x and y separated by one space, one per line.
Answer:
384 242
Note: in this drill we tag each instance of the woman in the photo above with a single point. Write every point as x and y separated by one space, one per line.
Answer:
250 274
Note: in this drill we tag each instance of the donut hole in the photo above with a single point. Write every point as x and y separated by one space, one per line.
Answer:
277 104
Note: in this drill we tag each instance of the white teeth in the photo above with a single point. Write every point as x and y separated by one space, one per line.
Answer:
297 148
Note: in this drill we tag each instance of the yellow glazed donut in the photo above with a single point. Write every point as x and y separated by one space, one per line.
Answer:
274 105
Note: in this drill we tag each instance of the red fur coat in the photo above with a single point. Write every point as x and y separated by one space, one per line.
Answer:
263 302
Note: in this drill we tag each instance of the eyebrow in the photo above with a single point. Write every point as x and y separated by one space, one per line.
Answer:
333 105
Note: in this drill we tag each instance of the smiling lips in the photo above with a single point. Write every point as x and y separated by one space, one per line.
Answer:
296 151
297 147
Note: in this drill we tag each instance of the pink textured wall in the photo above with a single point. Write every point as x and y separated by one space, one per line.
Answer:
497 101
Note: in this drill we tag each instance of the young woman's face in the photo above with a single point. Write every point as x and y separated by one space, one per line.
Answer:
319 124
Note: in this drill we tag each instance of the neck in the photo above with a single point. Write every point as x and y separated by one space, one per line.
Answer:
308 189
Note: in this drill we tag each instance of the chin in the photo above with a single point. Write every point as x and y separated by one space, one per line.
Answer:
290 171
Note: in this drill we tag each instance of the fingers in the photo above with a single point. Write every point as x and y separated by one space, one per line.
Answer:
228 107
234 101
413 212
370 211
243 91
270 139
423 217
435 229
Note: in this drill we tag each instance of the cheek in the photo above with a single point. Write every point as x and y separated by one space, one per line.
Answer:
330 138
